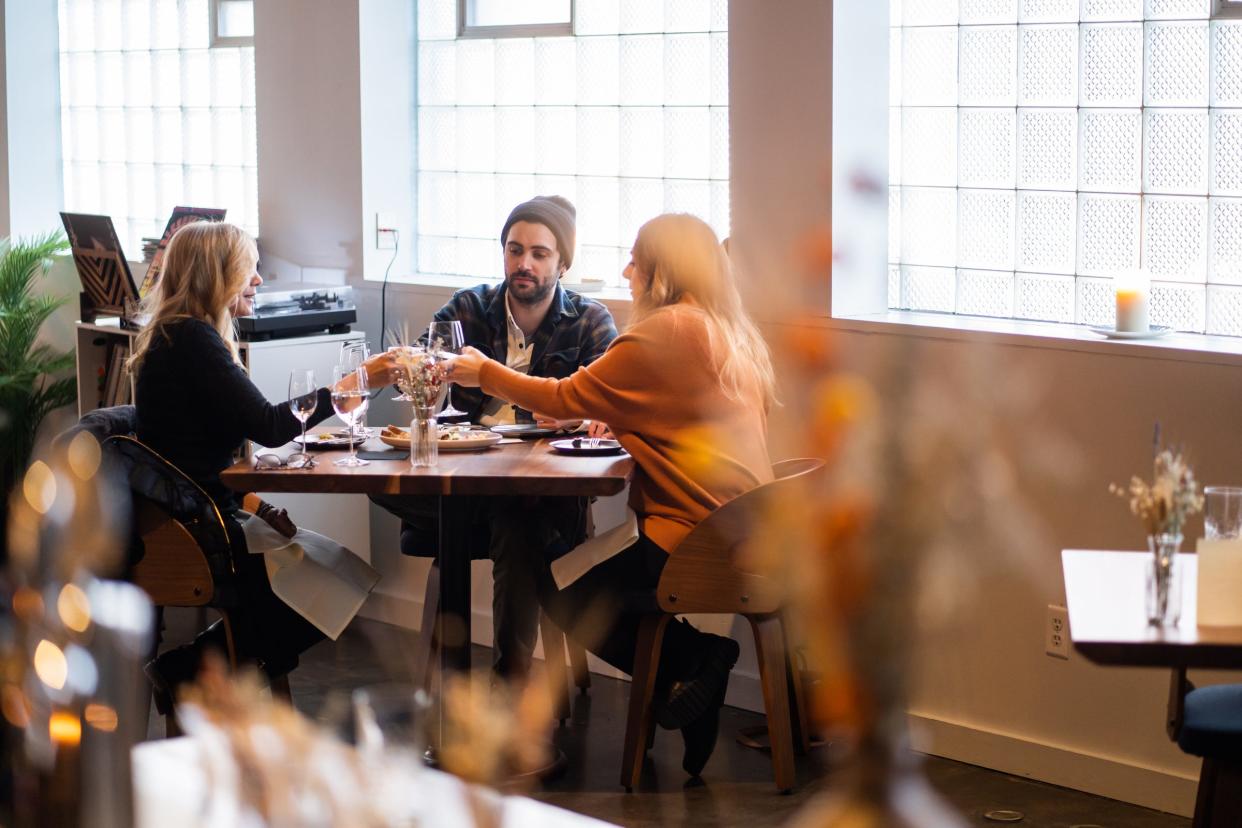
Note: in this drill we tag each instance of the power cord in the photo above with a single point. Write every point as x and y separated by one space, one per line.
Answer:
396 245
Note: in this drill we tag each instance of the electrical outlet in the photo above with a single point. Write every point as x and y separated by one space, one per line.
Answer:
1056 632
385 231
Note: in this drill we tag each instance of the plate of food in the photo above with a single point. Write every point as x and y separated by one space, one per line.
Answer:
452 438
323 440
589 446
526 431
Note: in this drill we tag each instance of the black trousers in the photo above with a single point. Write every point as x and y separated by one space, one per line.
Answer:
600 611
522 535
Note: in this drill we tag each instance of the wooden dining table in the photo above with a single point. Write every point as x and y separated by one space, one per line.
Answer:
1104 594
515 467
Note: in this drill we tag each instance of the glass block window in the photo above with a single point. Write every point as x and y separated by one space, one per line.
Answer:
1039 147
152 117
627 118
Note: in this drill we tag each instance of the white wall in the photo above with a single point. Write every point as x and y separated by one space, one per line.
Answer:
310 139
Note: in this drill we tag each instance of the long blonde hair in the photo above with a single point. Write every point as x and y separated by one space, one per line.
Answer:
206 265
683 258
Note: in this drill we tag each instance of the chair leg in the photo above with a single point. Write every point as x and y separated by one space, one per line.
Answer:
281 690
424 650
1218 803
638 723
802 723
578 663
554 664
229 644
770 648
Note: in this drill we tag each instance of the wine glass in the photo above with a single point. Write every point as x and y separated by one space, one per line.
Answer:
353 354
449 336
350 404
303 399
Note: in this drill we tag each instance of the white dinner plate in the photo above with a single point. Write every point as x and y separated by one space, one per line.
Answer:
326 440
582 446
1154 332
526 431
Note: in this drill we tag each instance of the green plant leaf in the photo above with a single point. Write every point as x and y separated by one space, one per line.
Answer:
33 378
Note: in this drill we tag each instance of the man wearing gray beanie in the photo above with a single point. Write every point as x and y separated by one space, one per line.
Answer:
531 324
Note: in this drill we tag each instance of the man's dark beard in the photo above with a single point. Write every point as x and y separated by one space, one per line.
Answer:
542 291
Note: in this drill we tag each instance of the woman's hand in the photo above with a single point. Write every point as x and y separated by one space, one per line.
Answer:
601 430
382 369
464 369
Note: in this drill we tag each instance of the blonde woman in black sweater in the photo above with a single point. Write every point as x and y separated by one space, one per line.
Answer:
195 405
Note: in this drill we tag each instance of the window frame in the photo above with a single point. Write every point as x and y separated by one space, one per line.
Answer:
465 32
213 29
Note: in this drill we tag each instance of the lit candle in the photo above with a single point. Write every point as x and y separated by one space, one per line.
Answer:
1132 289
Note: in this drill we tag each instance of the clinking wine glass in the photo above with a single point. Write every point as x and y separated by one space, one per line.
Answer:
350 397
303 400
448 335
353 355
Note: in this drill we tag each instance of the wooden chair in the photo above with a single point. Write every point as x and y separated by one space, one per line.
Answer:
703 576
176 570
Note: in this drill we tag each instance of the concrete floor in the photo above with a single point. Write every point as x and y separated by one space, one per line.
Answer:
737 789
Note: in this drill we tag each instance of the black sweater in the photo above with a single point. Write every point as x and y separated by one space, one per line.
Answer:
195 406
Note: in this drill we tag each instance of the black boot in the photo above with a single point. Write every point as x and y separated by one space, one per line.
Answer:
700 735
690 698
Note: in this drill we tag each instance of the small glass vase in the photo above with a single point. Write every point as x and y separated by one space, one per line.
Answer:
1164 584
424 438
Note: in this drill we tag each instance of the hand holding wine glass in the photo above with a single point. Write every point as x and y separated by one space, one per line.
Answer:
303 400
350 397
447 338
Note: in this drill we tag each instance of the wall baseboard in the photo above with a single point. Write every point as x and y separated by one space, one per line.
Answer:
1010 753
1007 753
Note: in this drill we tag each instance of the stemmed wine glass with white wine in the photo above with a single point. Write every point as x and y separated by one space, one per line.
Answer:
303 400
448 335
350 397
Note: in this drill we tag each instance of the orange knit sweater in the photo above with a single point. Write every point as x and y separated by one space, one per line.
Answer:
658 388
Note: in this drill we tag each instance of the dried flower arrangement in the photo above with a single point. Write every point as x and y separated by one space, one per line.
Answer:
924 452
422 379
284 768
1164 504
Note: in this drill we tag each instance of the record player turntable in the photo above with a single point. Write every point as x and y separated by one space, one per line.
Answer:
300 311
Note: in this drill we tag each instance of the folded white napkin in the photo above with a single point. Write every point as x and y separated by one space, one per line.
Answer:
318 578
593 551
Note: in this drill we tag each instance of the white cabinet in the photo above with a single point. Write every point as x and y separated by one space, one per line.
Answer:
343 517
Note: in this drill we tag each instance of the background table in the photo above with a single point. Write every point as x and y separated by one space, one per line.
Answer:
1104 593
528 467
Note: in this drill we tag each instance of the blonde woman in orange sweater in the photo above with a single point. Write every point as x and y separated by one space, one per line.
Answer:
686 390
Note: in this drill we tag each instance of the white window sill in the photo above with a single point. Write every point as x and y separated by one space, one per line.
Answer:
1181 347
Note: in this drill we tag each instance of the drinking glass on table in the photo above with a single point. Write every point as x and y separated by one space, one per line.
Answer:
1222 512
303 399
350 404
353 354
451 340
